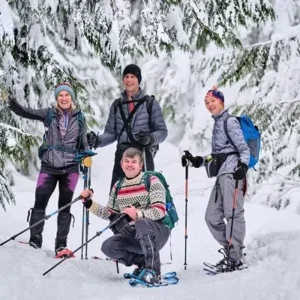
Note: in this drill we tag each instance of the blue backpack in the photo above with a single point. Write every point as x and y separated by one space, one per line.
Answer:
252 137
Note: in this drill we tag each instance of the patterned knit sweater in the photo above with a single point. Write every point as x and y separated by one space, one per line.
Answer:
150 205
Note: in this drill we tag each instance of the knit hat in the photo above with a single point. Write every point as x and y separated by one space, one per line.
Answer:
214 93
64 86
134 70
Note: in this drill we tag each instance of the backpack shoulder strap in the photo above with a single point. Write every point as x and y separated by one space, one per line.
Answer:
51 115
147 181
80 119
115 104
149 104
127 121
226 129
118 187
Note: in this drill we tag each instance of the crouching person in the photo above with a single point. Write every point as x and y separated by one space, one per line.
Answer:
140 234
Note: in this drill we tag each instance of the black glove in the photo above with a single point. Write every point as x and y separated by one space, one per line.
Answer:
116 228
189 160
240 171
88 203
93 139
128 230
144 138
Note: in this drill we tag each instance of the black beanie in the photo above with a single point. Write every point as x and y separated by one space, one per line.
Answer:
134 70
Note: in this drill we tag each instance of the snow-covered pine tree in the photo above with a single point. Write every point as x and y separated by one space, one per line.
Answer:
44 42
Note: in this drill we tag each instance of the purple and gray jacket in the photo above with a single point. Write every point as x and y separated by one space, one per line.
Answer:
63 130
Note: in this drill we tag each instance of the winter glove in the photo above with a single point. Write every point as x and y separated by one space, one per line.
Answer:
128 230
144 138
240 171
116 228
93 139
87 201
189 160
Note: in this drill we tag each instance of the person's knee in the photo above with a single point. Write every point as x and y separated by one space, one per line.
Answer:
208 218
108 247
143 227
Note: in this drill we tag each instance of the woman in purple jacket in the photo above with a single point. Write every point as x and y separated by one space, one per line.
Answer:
65 136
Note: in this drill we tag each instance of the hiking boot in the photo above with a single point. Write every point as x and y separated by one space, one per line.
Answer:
63 252
36 238
137 272
150 276
234 265
63 228
34 245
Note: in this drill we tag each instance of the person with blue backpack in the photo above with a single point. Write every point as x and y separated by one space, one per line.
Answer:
144 201
64 138
229 163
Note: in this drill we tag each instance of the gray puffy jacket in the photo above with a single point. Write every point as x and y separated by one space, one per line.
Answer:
221 143
140 121
64 130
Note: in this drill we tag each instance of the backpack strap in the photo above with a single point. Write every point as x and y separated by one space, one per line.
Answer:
226 131
115 104
147 181
126 122
80 120
149 105
51 115
118 187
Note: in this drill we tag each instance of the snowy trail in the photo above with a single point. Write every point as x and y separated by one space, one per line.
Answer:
272 246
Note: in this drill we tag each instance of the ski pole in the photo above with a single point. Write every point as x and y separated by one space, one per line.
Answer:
185 215
232 218
42 220
87 162
87 224
97 234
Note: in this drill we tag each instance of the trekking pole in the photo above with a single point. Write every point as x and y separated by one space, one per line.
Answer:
232 218
86 160
87 163
87 211
97 234
186 207
42 220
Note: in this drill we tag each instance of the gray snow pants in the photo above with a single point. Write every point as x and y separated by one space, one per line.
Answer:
219 207
142 249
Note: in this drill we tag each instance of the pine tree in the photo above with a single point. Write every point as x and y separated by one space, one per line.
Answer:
45 42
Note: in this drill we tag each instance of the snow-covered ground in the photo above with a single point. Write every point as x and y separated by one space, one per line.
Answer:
272 247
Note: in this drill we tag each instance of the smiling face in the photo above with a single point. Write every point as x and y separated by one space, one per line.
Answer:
131 166
131 84
213 105
64 100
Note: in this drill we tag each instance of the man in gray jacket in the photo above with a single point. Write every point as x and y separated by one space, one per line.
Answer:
135 120
229 164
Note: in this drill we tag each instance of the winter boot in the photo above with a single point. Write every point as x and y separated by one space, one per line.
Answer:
227 264
234 265
36 238
139 260
152 259
63 228
150 276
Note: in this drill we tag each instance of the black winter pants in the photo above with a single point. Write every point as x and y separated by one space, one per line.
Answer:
117 170
142 248
45 187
